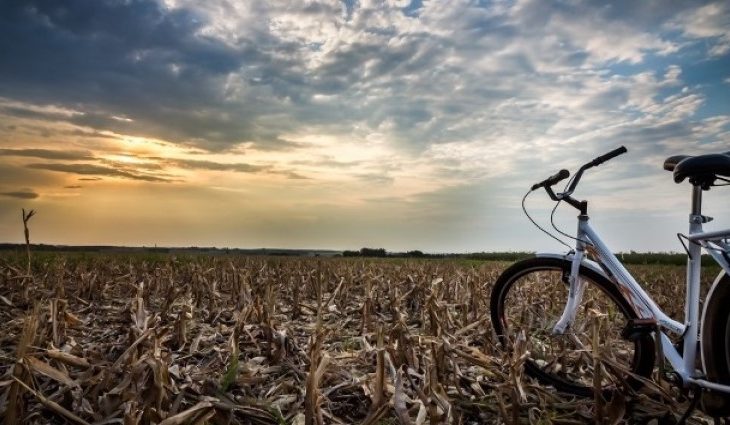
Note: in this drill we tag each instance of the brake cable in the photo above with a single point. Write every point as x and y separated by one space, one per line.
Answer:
524 210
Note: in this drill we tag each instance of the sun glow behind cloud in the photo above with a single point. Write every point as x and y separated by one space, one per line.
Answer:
339 124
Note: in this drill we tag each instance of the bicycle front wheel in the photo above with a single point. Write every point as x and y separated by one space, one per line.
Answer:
530 297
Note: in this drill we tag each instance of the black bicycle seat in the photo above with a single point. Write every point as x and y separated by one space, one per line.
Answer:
701 170
672 161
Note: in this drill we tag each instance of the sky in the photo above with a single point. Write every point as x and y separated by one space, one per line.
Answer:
344 124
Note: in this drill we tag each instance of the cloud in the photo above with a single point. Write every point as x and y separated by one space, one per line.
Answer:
218 74
88 55
98 170
327 162
293 175
73 186
136 167
438 95
21 194
36 112
709 22
217 166
48 154
237 167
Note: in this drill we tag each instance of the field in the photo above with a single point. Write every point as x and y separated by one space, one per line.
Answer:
261 340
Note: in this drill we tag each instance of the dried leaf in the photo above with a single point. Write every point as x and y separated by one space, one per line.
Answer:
399 400
49 371
53 406
186 415
71 320
68 358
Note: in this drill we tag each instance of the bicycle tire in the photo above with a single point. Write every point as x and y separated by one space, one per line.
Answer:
715 345
600 293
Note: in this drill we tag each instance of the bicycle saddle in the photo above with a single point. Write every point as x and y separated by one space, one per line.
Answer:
702 170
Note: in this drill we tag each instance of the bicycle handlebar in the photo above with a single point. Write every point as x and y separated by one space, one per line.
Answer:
596 162
603 158
563 174
555 178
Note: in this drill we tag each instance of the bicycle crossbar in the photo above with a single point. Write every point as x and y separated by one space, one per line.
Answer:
710 236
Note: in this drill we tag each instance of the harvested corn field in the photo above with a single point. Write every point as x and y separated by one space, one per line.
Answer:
256 340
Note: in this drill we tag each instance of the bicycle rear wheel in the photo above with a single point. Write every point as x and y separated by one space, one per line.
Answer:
530 296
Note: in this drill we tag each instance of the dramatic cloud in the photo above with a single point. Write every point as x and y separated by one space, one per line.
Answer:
98 170
21 194
217 166
48 154
227 73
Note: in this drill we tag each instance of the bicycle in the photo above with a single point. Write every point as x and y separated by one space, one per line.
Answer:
599 301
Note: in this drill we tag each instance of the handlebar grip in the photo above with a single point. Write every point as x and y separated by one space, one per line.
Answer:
555 178
613 154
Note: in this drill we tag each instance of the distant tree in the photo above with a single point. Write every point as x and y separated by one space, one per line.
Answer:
373 252
416 254
350 253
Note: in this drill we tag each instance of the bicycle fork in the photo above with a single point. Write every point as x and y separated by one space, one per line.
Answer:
575 290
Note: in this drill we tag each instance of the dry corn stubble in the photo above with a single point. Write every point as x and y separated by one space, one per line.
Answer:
252 340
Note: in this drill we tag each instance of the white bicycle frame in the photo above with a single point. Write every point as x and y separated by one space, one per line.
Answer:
715 243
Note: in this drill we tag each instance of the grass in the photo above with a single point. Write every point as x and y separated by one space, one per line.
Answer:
229 377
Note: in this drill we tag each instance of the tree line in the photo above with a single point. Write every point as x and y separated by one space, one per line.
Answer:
632 257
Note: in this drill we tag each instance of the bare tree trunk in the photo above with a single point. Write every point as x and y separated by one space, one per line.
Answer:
27 217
